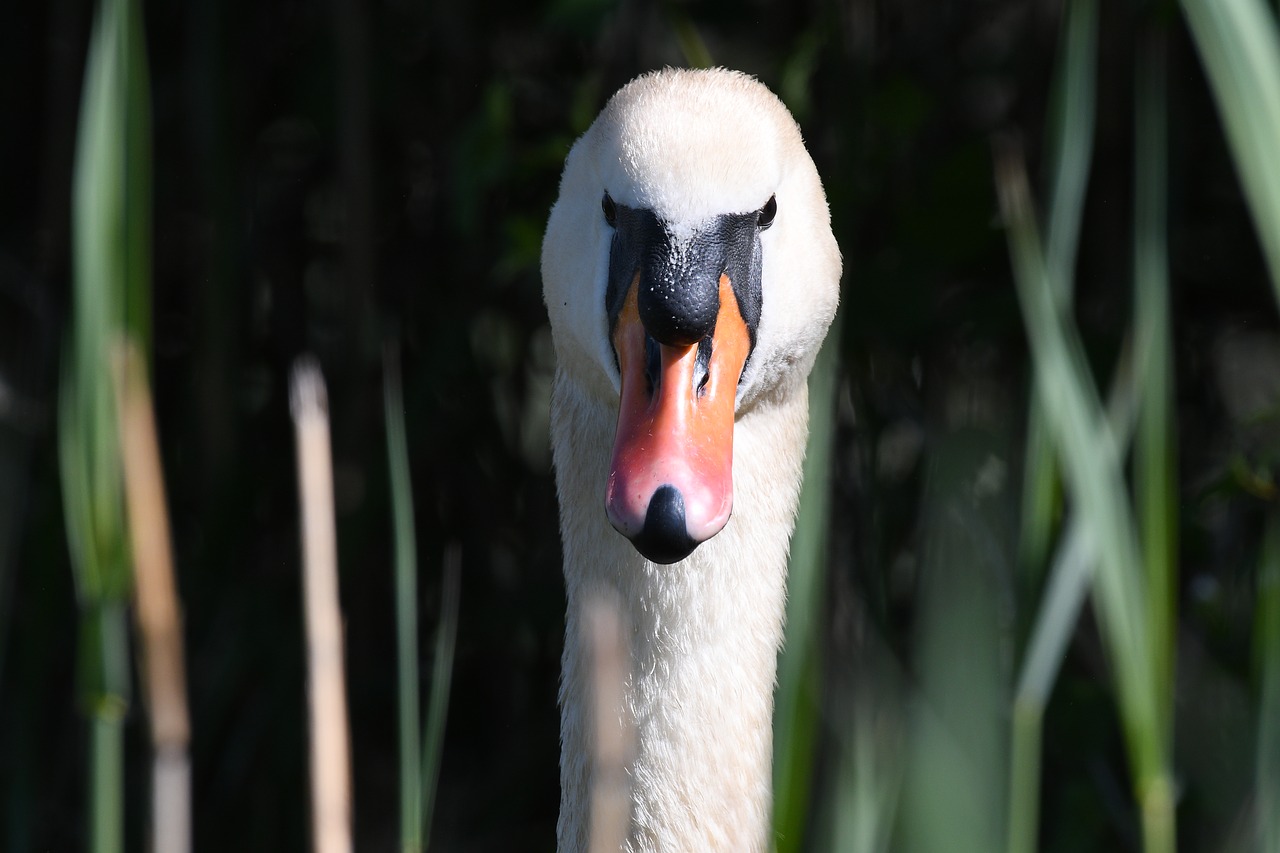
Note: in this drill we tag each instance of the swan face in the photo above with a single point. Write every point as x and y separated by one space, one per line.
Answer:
689 272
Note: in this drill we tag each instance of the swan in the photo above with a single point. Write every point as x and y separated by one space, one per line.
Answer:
690 275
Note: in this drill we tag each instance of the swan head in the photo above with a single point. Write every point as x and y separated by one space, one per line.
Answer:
690 273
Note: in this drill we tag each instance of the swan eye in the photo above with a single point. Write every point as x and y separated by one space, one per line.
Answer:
767 213
610 210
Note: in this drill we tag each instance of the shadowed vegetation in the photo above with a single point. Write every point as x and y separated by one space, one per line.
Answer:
1034 600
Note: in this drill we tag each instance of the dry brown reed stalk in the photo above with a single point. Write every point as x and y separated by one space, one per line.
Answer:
614 734
158 613
330 750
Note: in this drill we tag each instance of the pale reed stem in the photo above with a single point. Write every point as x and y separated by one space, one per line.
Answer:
157 610
614 735
330 752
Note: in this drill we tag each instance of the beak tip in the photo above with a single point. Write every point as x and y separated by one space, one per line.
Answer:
664 536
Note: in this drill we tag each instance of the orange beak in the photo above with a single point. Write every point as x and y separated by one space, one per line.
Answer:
671 478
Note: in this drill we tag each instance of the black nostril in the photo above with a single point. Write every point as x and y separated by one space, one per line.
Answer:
665 537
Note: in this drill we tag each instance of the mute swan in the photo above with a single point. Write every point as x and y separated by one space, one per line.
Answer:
690 275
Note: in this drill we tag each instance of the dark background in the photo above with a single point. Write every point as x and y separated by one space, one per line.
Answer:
329 177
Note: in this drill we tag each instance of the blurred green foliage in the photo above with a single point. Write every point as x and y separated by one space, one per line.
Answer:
111 268
329 176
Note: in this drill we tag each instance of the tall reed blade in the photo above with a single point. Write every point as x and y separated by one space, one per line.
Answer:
406 586
421 741
441 680
1064 596
1092 469
1071 143
1070 578
111 266
1070 147
1240 49
1239 45
795 716
1155 478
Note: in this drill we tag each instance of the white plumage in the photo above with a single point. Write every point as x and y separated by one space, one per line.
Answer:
688 146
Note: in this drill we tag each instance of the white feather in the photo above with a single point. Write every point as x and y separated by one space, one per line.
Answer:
704 632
